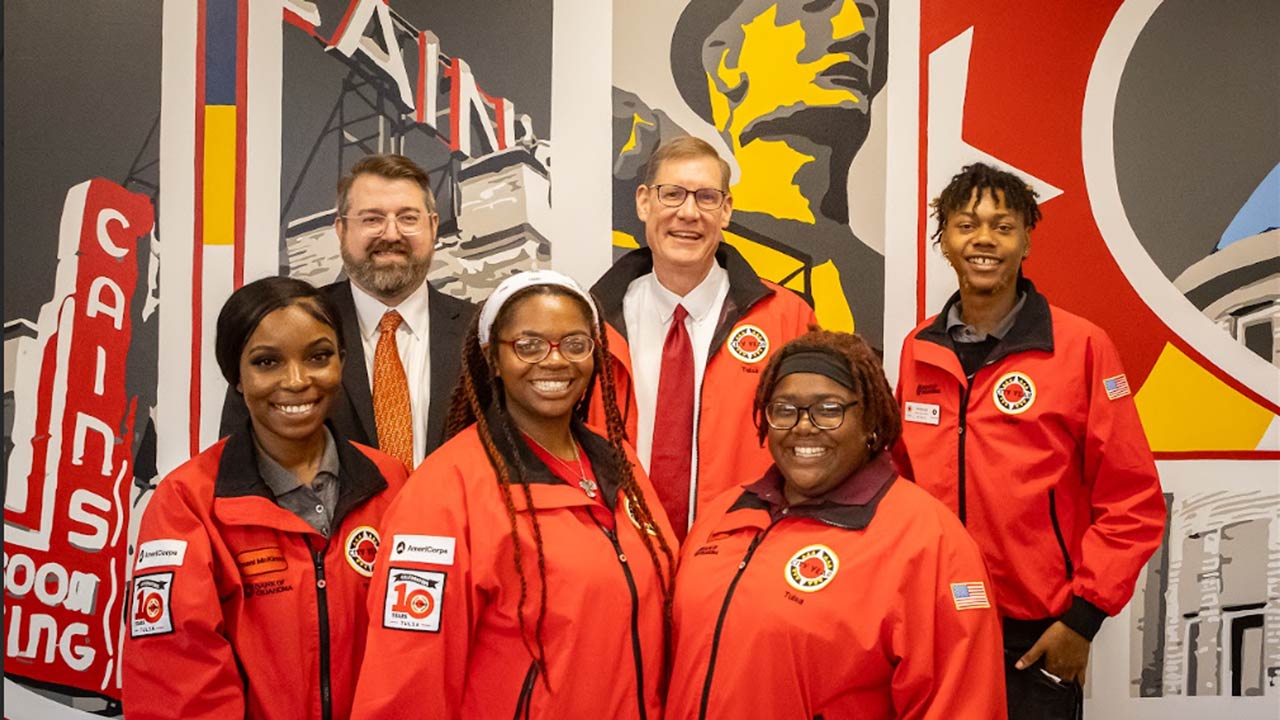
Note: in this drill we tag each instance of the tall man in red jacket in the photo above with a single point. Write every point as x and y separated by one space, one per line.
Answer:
1018 415
690 328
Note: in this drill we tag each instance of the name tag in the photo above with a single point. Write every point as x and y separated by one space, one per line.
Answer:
921 413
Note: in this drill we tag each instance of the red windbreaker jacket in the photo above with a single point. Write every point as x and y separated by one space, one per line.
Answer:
445 638
1042 456
239 608
874 609
758 318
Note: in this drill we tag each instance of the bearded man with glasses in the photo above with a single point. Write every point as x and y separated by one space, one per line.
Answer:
690 327
410 333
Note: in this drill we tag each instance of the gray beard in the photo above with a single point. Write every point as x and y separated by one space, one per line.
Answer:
388 281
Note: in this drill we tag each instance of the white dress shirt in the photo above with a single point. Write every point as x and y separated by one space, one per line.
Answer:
413 342
647 309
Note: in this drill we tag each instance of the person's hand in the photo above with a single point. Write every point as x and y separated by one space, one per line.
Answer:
1065 652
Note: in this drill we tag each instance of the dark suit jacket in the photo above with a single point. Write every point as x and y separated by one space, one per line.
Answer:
352 409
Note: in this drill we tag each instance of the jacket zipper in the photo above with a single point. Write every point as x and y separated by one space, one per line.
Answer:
322 603
695 460
1057 531
716 340
724 609
525 701
635 614
962 505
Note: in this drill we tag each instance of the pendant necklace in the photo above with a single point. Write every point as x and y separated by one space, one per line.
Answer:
588 486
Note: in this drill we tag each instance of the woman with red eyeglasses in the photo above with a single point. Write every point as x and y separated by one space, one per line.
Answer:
527 567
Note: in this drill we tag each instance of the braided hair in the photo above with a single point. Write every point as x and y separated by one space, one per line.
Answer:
880 410
480 390
982 179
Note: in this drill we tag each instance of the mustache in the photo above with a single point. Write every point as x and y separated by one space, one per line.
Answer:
389 245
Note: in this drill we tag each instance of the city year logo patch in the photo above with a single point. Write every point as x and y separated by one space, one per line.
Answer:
362 548
812 568
635 517
748 343
150 614
413 600
1014 393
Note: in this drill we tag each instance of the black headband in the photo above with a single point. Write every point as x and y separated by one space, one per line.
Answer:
818 362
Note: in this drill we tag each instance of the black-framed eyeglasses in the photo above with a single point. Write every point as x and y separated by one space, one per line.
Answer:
705 198
825 415
410 222
533 350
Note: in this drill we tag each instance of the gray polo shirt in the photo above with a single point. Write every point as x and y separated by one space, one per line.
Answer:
963 333
314 504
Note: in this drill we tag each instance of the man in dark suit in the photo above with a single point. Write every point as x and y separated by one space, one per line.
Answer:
402 336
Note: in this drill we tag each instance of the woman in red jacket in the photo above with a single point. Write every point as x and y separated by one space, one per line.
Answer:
254 557
527 570
829 587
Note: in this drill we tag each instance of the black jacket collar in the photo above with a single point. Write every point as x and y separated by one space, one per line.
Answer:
601 453
358 477
745 287
869 484
1033 330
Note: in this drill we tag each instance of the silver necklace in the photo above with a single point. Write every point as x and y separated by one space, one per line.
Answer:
588 486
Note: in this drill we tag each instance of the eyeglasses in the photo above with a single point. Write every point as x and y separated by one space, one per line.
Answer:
705 198
823 415
535 349
409 223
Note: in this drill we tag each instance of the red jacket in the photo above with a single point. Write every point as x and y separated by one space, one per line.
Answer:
871 608
239 609
758 318
444 638
1042 456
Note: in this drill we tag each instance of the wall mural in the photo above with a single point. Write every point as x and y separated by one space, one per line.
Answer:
1147 126
1199 621
788 90
211 161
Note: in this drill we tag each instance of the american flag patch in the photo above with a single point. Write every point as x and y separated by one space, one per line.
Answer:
1117 386
969 596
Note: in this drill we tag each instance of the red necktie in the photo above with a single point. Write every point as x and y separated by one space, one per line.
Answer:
392 412
672 456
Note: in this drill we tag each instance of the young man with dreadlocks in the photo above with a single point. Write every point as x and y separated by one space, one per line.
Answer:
1018 415
527 569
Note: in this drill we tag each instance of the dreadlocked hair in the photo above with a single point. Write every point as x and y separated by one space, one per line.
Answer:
976 180
474 394
879 409
479 389
617 432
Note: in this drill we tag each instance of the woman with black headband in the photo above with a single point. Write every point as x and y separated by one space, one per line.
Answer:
830 588
528 566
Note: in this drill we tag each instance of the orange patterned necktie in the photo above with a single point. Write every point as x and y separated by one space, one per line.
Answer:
391 410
